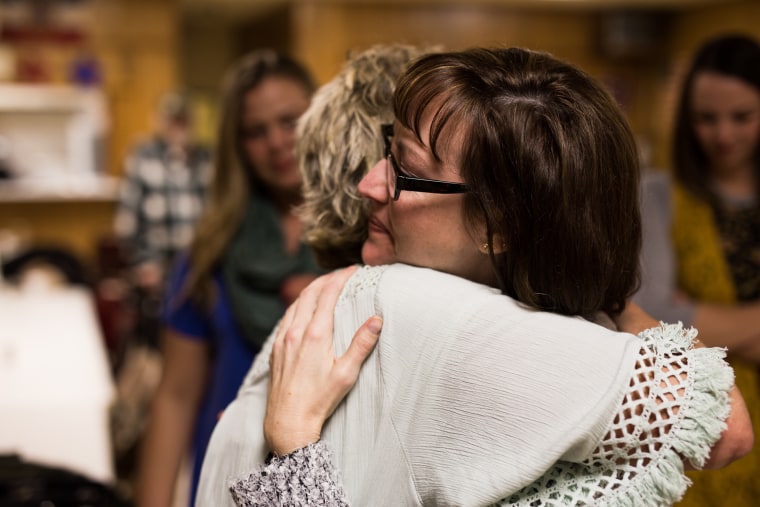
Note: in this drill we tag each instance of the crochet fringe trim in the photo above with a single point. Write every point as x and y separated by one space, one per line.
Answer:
706 411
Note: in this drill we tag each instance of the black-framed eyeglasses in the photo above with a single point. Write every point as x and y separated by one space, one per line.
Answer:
398 181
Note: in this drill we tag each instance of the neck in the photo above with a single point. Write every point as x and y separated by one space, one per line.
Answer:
737 181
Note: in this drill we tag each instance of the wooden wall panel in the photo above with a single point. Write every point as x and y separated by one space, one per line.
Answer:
137 42
321 37
76 226
325 31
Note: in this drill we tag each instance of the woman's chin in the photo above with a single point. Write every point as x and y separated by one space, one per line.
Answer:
377 255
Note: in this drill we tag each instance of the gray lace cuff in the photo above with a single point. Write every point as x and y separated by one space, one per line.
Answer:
305 477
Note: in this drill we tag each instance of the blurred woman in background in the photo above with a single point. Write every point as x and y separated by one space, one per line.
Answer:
701 248
245 265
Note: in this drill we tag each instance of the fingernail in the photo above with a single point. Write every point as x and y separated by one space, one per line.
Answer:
375 325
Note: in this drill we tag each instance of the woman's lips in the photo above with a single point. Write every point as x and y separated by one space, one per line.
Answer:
284 165
376 225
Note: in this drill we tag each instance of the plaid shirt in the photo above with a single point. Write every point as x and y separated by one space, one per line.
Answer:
160 200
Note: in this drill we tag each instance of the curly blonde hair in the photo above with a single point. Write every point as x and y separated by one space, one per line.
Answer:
338 140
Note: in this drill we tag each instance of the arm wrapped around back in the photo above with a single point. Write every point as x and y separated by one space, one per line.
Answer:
472 399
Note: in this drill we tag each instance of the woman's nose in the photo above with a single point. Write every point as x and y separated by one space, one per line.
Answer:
280 138
374 185
724 132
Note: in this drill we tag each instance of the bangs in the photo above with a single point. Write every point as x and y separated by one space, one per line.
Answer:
431 85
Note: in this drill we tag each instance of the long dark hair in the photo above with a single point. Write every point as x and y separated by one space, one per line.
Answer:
553 169
731 55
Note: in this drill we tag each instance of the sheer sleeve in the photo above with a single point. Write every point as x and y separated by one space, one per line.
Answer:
304 477
674 410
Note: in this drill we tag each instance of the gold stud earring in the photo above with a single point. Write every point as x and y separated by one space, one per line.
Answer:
484 247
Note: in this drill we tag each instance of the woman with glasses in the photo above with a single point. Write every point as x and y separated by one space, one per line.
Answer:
245 265
514 177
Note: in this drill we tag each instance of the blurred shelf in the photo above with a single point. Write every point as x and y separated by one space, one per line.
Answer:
80 188
41 97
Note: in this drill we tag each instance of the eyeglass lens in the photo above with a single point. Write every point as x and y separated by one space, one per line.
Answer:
393 172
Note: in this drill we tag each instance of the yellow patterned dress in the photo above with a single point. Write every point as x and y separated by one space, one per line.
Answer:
704 243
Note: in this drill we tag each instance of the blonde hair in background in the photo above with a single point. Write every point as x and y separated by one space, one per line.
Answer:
338 140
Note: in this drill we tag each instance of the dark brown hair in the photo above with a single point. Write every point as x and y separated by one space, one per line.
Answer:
553 169
735 56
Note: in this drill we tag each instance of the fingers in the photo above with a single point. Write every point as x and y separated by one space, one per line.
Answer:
316 303
320 324
361 346
275 357
307 381
296 316
311 315
364 341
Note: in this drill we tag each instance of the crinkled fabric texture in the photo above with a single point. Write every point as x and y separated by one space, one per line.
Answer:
305 477
639 461
470 397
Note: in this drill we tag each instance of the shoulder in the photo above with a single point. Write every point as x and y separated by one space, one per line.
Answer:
364 282
448 343
176 297
425 310
427 293
418 283
179 270
151 148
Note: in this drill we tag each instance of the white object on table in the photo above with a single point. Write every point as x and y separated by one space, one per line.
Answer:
55 383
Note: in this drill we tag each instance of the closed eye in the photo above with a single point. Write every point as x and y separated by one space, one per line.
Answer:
399 170
743 117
